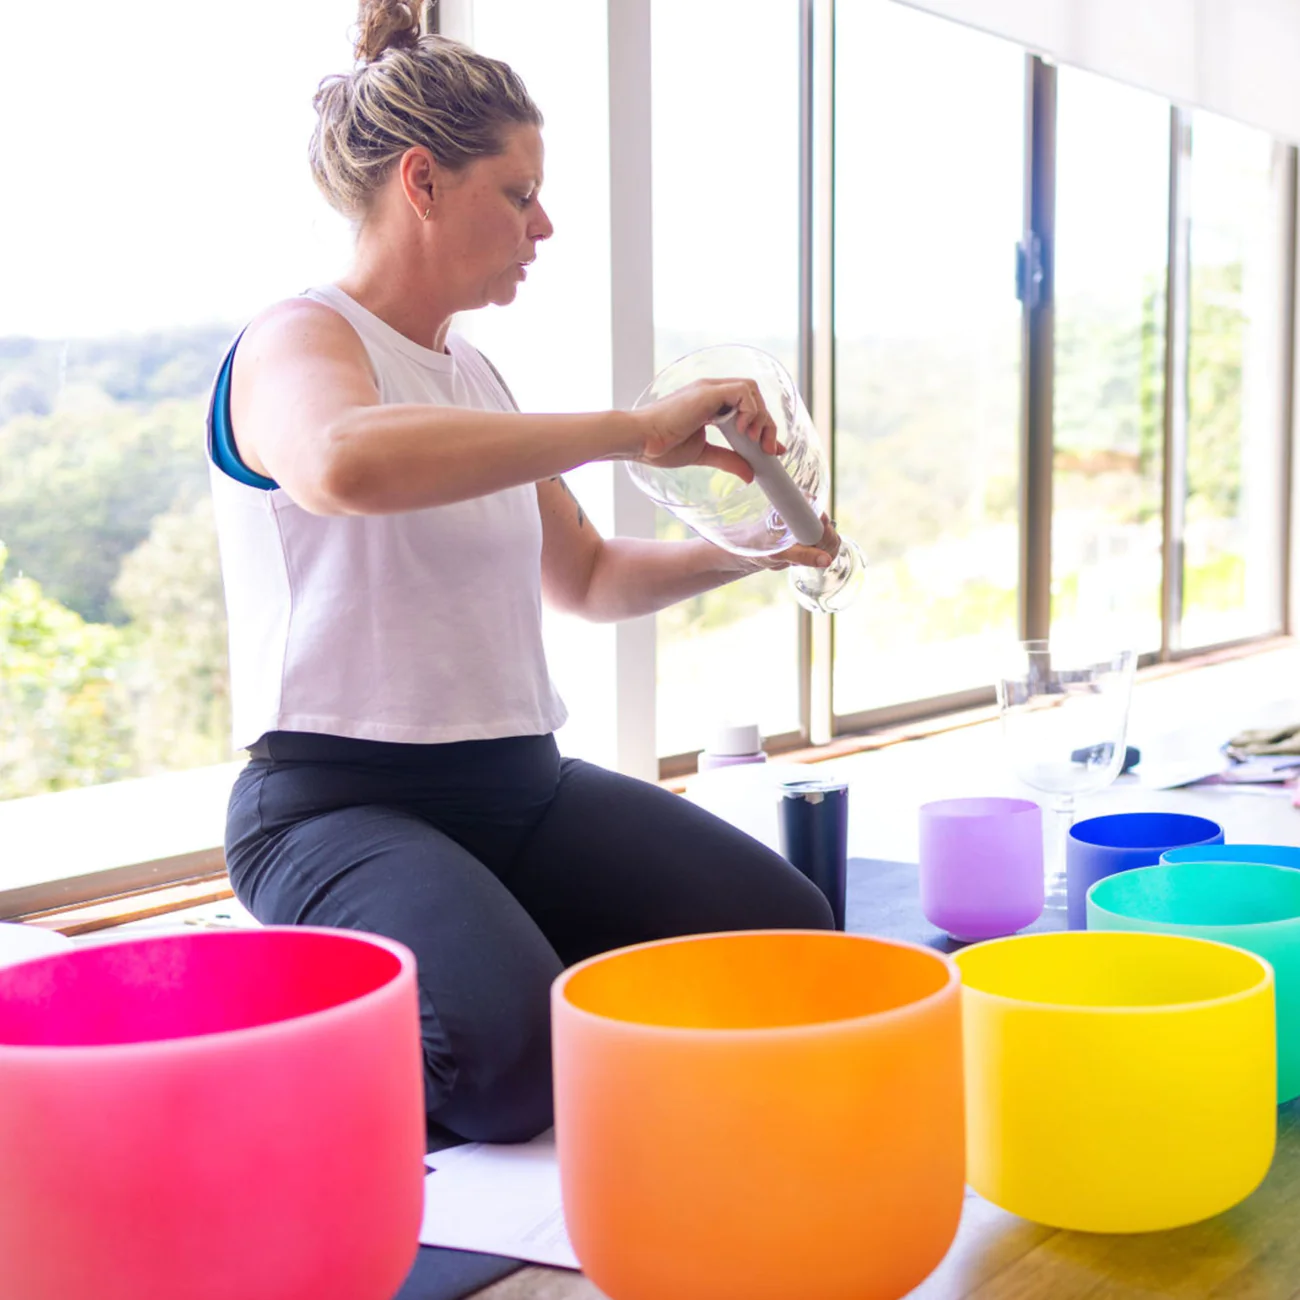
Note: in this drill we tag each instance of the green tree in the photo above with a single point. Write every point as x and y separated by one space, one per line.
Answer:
83 485
1216 348
177 677
137 368
64 719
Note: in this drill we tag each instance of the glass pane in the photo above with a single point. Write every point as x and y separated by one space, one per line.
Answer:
1112 236
197 209
562 312
726 261
1233 532
929 142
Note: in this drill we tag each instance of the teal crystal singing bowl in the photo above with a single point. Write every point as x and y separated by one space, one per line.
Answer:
1252 905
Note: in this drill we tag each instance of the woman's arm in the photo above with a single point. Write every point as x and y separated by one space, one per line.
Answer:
306 412
623 577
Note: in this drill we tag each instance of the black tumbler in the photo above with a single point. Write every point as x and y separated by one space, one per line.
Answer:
815 835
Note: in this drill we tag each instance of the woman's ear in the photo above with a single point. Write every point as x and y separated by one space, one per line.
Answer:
419 174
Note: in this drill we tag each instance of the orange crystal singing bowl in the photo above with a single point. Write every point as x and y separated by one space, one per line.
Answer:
760 1115
211 1116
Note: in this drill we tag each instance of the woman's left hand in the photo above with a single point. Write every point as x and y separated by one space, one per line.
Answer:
798 555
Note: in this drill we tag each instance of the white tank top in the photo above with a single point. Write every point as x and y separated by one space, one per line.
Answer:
422 627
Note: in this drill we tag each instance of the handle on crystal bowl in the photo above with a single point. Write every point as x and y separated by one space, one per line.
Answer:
779 488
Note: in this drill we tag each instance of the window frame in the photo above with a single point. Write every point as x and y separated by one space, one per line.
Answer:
189 871
819 724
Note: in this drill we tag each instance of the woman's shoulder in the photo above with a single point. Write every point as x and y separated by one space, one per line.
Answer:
302 325
292 314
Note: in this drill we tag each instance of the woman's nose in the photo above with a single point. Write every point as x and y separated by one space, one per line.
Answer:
541 227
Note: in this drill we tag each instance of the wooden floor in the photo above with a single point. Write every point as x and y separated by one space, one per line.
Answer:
1251 1252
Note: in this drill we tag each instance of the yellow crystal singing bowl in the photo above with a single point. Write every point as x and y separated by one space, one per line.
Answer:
1117 1082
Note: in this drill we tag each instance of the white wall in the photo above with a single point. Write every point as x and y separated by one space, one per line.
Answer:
1234 57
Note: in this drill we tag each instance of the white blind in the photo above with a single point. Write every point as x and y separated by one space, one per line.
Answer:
1240 58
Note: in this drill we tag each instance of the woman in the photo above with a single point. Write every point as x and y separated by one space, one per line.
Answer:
388 525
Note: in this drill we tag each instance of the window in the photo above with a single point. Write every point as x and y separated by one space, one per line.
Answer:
1111 262
193 208
164 200
1232 542
929 149
726 262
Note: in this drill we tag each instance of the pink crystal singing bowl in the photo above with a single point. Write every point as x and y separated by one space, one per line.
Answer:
211 1115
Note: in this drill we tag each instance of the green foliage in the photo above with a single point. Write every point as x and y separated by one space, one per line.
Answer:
136 369
112 625
722 606
973 606
1109 406
1218 584
64 718
176 676
1065 597
1109 379
1151 387
926 445
83 486
1216 353
927 453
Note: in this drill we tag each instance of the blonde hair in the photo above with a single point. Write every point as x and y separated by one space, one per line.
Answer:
407 90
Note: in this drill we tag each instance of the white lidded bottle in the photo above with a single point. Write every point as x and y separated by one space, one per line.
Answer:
732 745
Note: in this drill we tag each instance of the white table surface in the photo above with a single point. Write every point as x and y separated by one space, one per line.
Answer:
1185 717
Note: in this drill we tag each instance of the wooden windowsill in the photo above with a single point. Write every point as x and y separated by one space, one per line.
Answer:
112 912
202 867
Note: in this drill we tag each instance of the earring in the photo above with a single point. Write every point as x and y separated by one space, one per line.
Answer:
426 214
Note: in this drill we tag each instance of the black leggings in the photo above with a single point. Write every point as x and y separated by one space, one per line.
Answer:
498 863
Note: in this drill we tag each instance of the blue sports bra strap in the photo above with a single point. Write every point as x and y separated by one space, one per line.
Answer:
221 434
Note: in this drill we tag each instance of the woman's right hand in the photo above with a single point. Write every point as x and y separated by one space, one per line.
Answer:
673 428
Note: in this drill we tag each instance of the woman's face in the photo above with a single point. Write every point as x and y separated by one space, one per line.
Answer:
490 219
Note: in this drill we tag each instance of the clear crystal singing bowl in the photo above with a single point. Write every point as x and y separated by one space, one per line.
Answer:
784 503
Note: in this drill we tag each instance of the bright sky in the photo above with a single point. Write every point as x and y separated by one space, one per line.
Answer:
157 168
155 158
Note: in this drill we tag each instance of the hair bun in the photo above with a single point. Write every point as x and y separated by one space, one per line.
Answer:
387 25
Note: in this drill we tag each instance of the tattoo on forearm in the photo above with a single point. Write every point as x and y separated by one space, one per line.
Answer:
582 518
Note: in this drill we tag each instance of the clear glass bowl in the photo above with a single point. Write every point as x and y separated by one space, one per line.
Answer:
1065 716
740 516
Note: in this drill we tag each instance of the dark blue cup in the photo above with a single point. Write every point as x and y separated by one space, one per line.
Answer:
815 835
1100 846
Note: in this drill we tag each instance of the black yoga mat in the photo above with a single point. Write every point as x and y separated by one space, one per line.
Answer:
884 898
450 1274
441 1274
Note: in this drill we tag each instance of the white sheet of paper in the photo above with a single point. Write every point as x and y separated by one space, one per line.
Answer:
501 1200
1175 772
